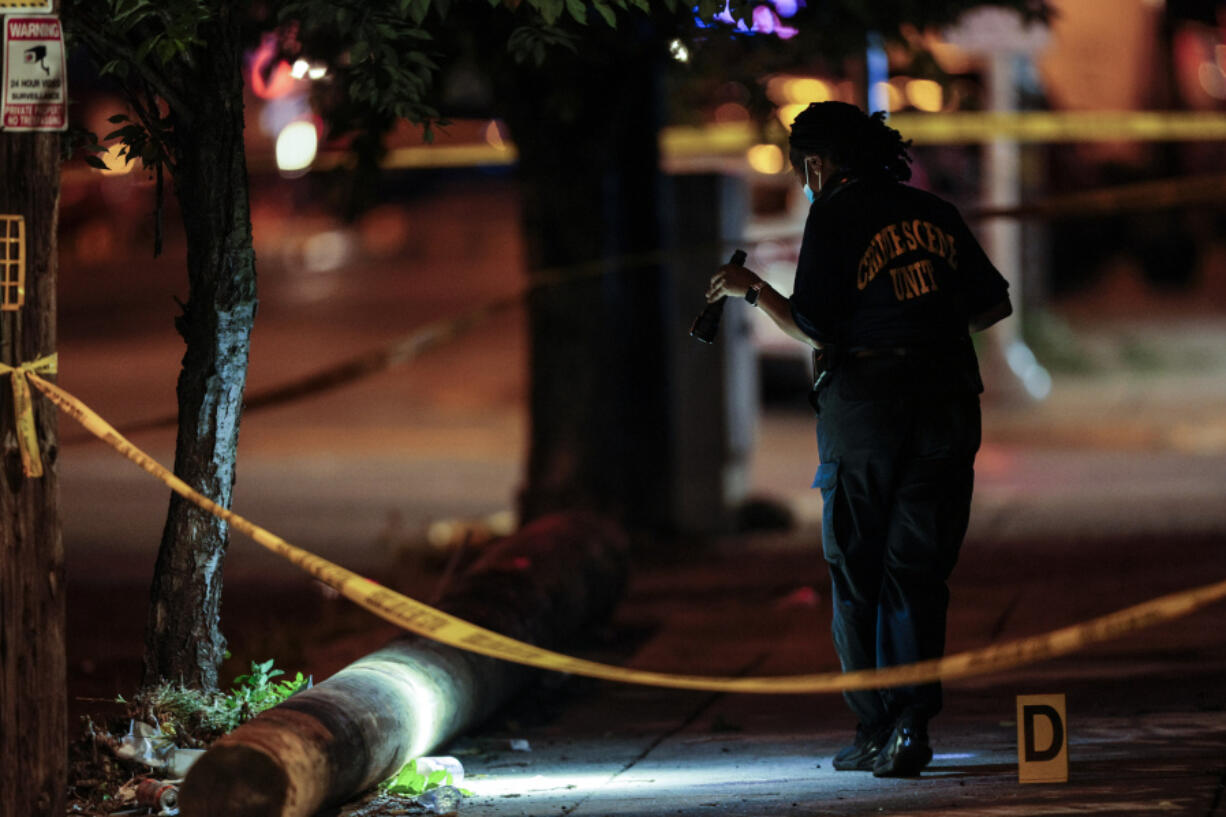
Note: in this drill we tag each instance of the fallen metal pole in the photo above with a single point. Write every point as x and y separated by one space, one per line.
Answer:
543 585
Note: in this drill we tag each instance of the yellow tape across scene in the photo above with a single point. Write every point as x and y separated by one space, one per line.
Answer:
23 410
435 624
944 128
1158 194
421 340
1060 126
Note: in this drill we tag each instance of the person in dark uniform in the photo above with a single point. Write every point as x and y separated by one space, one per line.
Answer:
890 284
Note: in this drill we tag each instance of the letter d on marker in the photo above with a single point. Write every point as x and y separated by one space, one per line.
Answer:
1042 739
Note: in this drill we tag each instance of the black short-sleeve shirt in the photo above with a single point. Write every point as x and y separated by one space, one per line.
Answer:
883 264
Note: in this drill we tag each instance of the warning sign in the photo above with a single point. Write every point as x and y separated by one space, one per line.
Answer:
35 98
28 6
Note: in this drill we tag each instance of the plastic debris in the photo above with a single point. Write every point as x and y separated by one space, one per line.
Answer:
146 744
442 763
181 761
520 745
441 800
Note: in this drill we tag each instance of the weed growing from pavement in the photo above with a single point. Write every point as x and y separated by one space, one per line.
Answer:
410 782
102 780
206 715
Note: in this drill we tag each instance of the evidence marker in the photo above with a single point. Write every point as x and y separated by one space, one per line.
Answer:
1042 739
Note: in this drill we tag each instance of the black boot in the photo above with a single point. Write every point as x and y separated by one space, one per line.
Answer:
906 751
861 755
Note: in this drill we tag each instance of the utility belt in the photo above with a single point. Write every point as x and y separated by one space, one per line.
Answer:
927 350
883 351
831 356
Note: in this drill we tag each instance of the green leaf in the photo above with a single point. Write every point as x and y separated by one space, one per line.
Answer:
406 782
551 10
95 161
421 59
119 117
607 13
417 9
131 15
577 10
166 50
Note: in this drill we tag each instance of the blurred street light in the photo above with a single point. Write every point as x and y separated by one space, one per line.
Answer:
297 144
767 159
925 94
118 163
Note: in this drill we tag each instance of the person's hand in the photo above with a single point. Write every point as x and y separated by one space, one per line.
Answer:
732 280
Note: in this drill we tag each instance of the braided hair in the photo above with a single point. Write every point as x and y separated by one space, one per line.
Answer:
860 143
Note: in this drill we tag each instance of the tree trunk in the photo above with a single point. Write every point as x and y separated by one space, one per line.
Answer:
586 127
544 585
183 642
33 679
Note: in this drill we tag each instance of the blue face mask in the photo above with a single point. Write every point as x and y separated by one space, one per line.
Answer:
809 194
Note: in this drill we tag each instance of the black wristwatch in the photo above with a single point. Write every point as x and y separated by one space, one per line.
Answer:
754 293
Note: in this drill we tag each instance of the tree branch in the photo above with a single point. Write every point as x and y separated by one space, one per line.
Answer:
103 46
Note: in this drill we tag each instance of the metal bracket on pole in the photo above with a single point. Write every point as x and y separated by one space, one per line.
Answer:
12 262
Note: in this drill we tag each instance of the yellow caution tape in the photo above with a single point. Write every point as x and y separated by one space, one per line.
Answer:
393 354
421 340
1060 126
944 128
1139 196
23 410
424 620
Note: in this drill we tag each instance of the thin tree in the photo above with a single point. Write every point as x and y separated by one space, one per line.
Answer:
179 65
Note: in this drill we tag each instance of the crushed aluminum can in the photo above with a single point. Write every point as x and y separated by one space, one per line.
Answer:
160 795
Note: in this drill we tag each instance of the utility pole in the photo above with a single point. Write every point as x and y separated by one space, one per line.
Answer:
33 675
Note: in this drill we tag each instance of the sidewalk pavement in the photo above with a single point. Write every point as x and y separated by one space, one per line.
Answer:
1087 503
1146 713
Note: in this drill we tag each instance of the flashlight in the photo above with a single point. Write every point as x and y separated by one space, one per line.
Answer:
706 325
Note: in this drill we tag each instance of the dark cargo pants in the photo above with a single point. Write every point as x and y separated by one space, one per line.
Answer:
896 478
